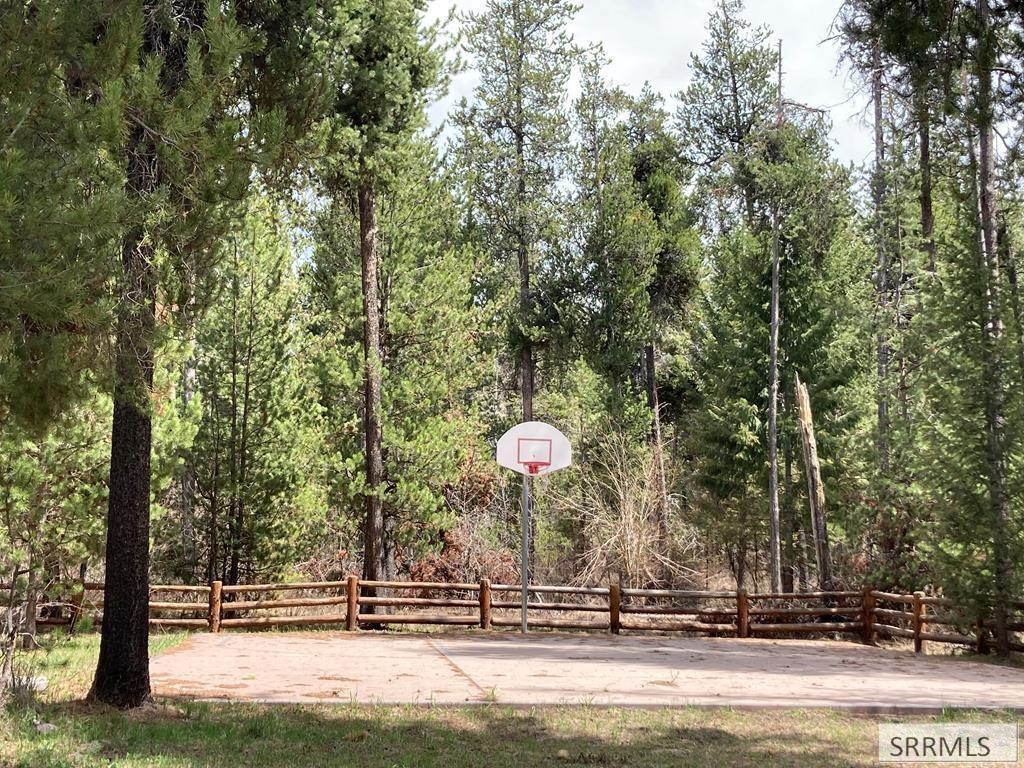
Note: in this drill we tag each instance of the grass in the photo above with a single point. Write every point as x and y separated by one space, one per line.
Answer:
193 734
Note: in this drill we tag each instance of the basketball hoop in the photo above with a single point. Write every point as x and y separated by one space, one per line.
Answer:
533 449
534 453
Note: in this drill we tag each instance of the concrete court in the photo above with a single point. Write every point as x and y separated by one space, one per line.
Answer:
544 669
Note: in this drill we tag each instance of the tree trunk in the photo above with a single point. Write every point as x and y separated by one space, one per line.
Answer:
788 522
28 623
882 273
230 575
815 488
212 530
923 117
243 445
802 556
774 542
187 478
740 565
1009 259
122 673
746 182
374 557
658 447
995 417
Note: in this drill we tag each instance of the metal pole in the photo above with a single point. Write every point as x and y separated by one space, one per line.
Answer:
525 561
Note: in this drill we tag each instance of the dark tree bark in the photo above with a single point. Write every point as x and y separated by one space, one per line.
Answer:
774 542
187 479
995 404
746 181
527 364
1009 258
774 536
374 555
230 573
788 520
923 117
882 271
122 673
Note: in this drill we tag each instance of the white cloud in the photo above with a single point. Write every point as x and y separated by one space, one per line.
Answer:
651 40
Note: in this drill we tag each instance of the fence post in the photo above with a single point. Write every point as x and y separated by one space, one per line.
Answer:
742 614
981 642
352 603
76 609
213 618
614 605
918 621
868 615
485 603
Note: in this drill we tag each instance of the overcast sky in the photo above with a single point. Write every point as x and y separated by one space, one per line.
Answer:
651 40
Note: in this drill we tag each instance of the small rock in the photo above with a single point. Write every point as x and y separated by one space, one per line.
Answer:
563 754
45 728
38 683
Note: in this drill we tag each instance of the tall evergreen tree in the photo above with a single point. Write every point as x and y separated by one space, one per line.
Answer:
817 340
514 143
156 88
255 456
431 358
379 104
731 94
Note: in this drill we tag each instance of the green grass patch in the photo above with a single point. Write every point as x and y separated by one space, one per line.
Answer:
192 734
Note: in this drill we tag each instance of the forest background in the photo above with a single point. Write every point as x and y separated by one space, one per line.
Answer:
259 321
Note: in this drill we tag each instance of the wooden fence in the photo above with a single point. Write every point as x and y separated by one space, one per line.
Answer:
355 602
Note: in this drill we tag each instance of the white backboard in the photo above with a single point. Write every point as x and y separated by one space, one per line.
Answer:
534 448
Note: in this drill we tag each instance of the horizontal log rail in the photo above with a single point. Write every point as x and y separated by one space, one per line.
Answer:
679 626
675 611
256 605
835 626
893 597
553 590
823 611
421 585
553 624
887 613
355 602
283 621
550 606
803 595
676 593
417 618
287 585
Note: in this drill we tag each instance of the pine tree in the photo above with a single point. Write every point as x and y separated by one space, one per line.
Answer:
154 146
379 104
255 454
513 145
732 93
817 340
430 337
617 237
60 202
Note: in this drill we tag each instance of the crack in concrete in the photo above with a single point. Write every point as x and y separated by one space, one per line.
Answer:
459 670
